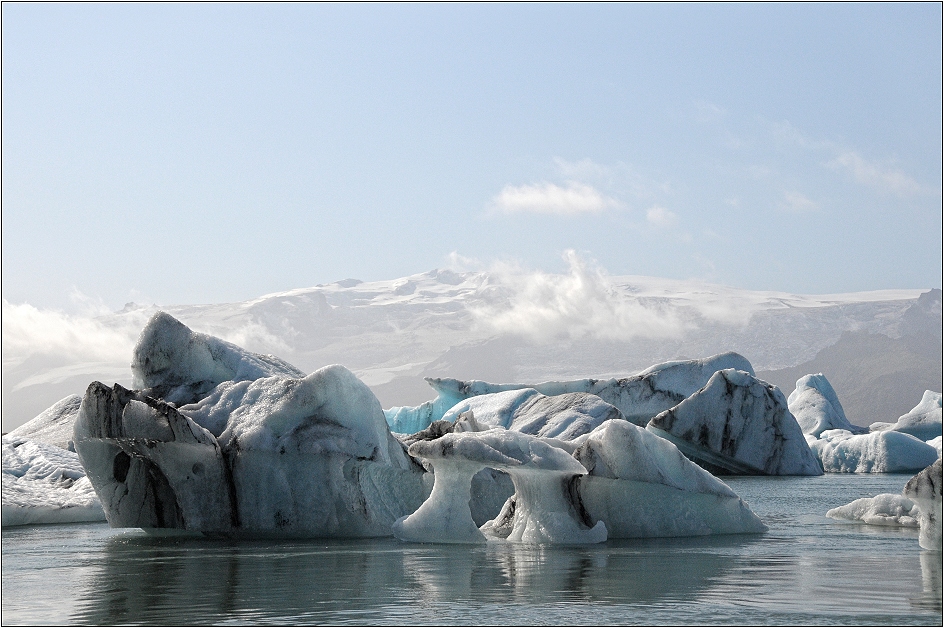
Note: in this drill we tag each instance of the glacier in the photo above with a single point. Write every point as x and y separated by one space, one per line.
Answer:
639 397
53 425
738 424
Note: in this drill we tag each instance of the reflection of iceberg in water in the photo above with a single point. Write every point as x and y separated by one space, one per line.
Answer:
143 579
931 580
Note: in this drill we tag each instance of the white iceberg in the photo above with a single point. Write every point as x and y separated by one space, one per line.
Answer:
564 416
738 424
816 408
295 457
44 483
887 509
936 443
178 365
925 490
841 451
924 421
641 485
919 505
53 425
539 512
639 397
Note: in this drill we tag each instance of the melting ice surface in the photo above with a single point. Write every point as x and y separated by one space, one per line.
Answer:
807 570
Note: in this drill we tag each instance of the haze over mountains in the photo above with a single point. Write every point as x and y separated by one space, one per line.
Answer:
879 349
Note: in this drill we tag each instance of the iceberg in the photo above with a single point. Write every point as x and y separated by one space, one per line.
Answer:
53 425
307 456
44 483
924 421
639 397
816 408
919 505
925 490
540 511
180 366
642 486
738 424
564 416
887 509
841 451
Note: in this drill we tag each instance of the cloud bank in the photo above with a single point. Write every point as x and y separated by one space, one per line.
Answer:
579 303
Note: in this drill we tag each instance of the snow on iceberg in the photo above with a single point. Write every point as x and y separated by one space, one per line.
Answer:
540 511
639 397
53 425
307 456
925 490
815 406
178 365
44 483
738 424
924 421
841 451
565 416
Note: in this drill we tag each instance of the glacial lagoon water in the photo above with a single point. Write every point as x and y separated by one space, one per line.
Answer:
806 570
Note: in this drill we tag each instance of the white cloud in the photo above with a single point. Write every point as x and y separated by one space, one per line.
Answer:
582 302
796 202
28 330
550 198
661 217
877 176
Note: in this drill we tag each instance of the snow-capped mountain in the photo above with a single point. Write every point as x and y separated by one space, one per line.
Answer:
498 326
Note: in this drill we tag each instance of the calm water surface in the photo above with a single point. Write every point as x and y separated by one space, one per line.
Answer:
807 570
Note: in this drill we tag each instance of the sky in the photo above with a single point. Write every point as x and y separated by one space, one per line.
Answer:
201 153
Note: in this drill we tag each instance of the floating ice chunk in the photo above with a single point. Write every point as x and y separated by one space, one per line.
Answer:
541 511
174 363
641 485
924 421
816 407
295 457
738 424
639 397
841 451
44 483
53 425
886 509
925 490
564 417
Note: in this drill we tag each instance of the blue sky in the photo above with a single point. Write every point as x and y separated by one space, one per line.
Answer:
207 153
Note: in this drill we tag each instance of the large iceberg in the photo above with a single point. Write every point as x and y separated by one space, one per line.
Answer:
294 457
924 421
816 408
639 397
738 424
620 482
44 483
841 451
